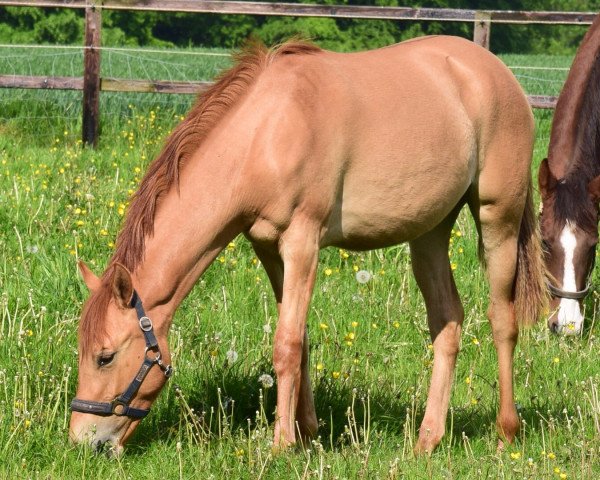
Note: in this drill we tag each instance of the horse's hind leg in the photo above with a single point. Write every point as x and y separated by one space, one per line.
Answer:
445 315
295 408
500 230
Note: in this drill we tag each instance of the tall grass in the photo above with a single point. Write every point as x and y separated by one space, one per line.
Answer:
370 352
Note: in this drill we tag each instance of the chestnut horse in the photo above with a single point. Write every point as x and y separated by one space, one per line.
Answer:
298 149
569 181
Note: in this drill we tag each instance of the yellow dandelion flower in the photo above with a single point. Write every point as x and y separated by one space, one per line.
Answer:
27 423
475 341
323 326
556 470
350 336
563 475
551 456
453 266
354 324
396 324
355 268
335 374
458 233
468 380
320 366
474 401
556 360
515 455
328 271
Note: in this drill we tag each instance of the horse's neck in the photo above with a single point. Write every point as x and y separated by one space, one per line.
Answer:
193 223
564 137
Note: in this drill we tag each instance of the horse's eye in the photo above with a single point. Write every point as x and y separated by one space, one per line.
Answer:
104 359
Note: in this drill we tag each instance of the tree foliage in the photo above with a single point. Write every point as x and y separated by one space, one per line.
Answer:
65 26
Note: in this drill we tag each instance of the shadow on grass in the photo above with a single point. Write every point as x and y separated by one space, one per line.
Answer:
394 414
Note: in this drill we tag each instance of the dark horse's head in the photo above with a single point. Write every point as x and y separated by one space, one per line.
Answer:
569 227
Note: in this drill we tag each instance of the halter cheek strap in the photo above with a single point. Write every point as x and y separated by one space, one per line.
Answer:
120 405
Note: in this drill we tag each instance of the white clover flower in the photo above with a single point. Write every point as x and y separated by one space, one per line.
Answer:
266 380
363 276
232 356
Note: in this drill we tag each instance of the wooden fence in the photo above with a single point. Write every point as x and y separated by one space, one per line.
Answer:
92 84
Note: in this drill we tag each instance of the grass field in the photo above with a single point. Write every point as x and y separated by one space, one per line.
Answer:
370 349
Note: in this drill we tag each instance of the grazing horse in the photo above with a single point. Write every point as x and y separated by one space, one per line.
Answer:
298 149
569 181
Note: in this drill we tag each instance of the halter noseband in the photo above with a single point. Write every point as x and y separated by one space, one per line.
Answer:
577 295
120 405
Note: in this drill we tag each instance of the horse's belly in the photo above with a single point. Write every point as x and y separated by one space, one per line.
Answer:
373 220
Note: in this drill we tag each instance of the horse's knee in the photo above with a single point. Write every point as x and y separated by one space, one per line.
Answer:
447 341
287 355
504 325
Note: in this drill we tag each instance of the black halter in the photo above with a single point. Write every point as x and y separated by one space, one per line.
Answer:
120 405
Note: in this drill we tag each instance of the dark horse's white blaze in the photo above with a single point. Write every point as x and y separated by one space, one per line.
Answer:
570 317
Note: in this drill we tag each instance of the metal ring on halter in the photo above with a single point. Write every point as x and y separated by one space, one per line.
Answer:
578 295
157 358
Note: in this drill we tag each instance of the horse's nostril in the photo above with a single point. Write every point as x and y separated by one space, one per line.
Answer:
553 327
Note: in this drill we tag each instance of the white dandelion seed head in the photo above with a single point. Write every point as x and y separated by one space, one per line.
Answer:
33 249
363 276
266 380
232 356
267 328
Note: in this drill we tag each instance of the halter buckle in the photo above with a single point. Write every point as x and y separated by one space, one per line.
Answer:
145 324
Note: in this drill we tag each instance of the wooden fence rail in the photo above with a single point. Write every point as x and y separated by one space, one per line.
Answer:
92 84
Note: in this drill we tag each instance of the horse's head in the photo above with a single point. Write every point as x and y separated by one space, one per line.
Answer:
118 348
568 223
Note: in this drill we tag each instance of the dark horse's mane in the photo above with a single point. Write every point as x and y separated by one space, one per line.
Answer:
163 172
585 163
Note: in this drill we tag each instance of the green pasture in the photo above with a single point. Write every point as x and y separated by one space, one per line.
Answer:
370 349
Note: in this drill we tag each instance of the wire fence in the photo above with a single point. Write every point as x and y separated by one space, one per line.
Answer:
48 113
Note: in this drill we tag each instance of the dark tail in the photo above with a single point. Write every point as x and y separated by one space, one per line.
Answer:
530 292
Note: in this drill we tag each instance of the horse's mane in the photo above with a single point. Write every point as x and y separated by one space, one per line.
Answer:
163 172
585 162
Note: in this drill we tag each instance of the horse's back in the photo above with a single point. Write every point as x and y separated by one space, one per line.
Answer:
383 144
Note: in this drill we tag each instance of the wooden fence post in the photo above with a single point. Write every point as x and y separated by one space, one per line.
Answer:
91 76
482 30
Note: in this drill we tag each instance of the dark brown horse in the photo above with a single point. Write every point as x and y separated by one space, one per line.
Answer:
298 149
569 182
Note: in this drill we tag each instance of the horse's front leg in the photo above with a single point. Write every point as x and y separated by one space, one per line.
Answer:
306 416
299 249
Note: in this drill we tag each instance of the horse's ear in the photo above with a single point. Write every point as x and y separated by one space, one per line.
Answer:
89 277
594 189
122 286
546 180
